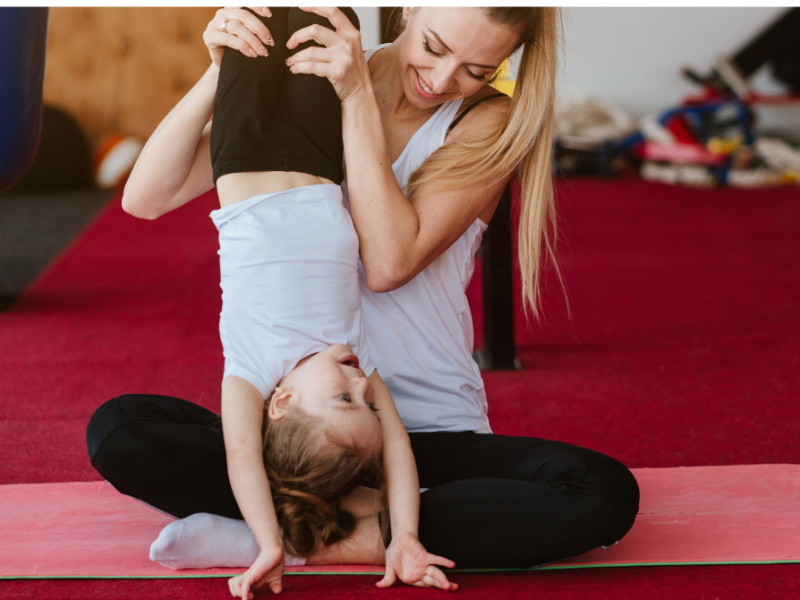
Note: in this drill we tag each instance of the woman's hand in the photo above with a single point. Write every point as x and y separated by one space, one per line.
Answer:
407 559
268 569
340 61
242 31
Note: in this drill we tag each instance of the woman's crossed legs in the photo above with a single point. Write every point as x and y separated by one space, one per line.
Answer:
493 501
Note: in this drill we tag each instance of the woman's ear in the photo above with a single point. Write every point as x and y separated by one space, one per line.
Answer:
406 13
279 403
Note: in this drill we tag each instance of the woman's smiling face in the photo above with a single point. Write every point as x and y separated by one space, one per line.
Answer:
450 53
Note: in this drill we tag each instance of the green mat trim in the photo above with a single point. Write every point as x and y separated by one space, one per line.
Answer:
544 568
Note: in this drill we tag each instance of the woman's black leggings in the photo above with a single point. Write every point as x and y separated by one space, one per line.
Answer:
494 500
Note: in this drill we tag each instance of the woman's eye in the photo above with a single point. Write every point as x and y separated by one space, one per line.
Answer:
345 397
372 407
428 48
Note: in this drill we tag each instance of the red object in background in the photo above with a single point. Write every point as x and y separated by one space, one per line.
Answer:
115 155
772 99
683 350
688 154
680 129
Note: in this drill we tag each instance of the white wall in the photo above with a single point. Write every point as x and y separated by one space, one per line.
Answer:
632 56
370 25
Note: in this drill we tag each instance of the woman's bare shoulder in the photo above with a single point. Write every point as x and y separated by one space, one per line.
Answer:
484 116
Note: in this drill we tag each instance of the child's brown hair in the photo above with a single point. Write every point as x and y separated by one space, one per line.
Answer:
310 475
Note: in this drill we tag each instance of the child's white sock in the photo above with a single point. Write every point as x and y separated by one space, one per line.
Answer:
205 541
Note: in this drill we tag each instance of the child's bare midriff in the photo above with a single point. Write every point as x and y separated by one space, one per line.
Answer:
236 187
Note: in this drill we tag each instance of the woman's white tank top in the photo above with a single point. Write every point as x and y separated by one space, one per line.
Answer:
420 335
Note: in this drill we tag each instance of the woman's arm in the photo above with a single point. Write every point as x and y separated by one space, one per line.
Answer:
397 238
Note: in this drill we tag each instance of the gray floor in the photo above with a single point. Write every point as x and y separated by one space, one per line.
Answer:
34 228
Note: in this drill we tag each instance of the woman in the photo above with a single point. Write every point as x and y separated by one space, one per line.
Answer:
423 101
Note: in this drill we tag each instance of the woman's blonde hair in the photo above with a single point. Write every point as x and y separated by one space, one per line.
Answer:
523 144
309 476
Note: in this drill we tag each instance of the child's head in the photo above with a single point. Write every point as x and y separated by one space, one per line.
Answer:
322 440
330 386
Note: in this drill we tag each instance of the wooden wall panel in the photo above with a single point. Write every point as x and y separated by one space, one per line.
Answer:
123 68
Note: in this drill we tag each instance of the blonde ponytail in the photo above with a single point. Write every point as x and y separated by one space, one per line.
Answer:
523 144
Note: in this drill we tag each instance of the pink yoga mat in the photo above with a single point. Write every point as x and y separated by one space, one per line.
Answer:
693 515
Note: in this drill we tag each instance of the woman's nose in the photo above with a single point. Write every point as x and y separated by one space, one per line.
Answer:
442 78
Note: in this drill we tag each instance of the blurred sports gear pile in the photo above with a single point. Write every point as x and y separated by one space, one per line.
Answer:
708 140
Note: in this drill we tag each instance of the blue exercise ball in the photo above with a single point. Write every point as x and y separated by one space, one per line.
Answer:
23 40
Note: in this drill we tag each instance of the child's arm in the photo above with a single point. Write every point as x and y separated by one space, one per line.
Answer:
242 417
398 463
175 164
406 558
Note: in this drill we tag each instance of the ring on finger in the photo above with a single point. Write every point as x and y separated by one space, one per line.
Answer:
224 26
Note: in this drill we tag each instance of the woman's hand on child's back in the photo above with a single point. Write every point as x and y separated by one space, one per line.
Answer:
407 559
238 29
268 569
341 60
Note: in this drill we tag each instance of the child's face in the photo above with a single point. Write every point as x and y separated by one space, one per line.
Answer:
330 385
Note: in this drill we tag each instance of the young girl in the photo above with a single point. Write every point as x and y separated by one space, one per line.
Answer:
297 366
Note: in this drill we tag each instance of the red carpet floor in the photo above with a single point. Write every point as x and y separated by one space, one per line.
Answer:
683 349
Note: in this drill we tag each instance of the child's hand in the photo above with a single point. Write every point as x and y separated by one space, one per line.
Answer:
407 559
268 568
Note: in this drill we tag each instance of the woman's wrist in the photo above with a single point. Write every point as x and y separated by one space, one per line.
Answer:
362 127
362 96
